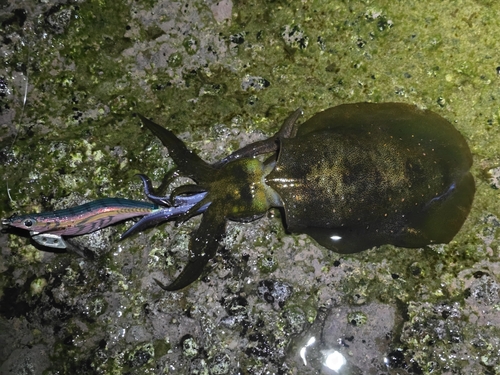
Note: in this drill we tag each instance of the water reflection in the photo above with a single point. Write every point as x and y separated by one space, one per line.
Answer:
331 359
303 350
348 340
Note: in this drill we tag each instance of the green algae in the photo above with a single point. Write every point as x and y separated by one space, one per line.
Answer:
37 286
357 318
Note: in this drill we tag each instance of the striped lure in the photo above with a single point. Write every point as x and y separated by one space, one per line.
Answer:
47 228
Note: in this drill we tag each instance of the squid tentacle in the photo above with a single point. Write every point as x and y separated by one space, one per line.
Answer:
191 206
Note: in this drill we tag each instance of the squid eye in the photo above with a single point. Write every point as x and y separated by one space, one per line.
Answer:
28 223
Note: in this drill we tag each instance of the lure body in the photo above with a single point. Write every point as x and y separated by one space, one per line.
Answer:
47 228
351 177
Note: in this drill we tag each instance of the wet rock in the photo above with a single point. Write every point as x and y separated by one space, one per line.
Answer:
275 292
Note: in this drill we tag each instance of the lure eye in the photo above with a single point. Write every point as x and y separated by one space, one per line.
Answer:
28 223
